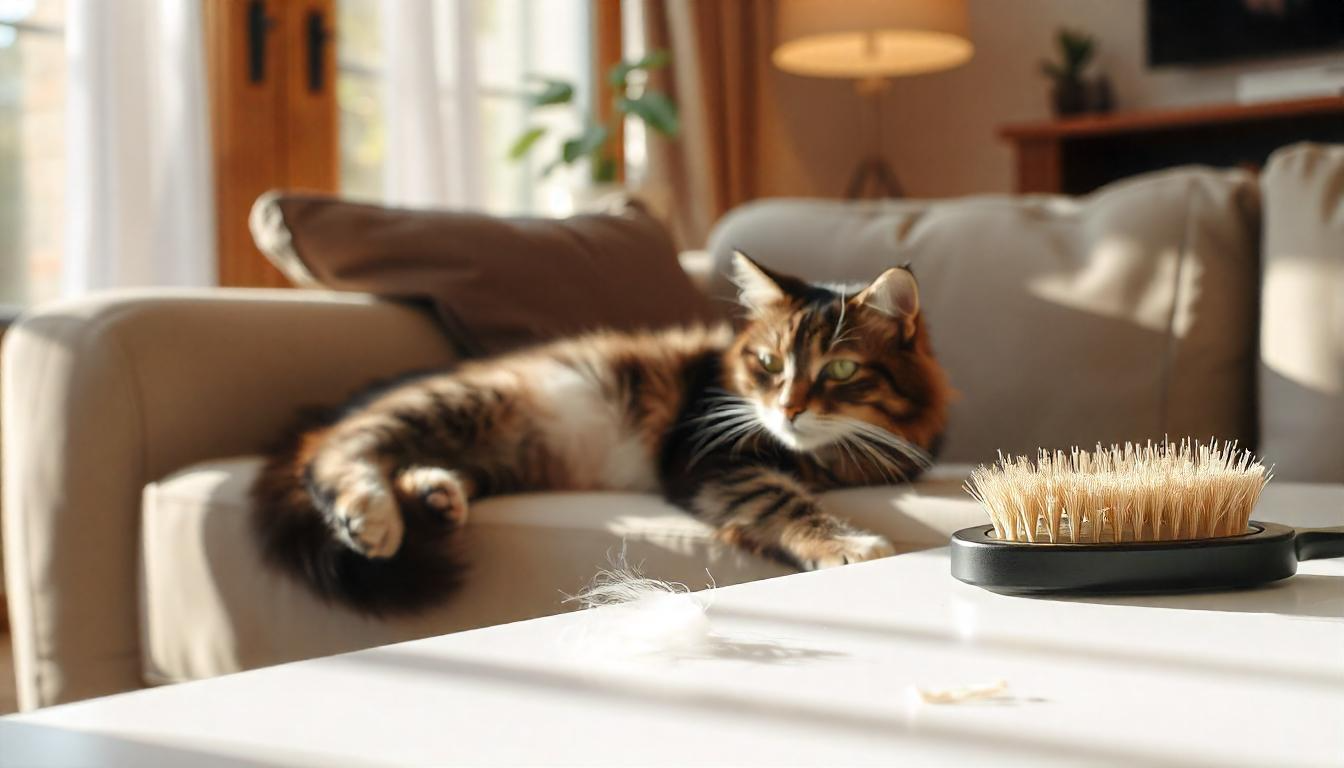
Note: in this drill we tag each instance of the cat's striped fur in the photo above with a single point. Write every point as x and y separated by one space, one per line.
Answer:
738 429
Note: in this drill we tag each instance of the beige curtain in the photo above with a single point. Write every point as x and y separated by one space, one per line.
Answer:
718 78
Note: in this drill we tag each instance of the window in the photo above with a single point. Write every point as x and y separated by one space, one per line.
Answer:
514 39
633 49
32 157
358 54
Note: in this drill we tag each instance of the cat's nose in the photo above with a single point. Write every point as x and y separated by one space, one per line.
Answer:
793 399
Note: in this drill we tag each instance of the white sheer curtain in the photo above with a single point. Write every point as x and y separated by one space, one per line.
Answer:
139 200
431 103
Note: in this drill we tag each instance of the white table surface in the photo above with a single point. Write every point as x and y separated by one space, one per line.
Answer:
809 669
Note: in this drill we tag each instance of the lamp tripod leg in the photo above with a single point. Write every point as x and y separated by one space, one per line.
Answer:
874 172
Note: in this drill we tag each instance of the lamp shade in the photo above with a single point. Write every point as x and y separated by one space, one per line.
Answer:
870 38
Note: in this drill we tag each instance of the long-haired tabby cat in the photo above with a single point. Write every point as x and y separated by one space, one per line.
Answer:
823 386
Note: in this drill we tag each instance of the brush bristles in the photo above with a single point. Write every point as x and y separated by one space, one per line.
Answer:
1153 492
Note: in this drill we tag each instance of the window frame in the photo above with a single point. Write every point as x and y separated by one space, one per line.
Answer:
24 269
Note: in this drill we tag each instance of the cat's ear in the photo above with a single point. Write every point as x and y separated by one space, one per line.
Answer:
893 293
756 287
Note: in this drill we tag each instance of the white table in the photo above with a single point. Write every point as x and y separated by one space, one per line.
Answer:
807 669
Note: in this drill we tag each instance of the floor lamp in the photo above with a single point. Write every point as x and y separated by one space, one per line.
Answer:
871 41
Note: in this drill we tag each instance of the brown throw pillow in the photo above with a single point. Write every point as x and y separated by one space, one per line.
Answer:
496 283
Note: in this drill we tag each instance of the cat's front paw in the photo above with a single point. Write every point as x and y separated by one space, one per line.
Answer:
369 521
443 492
842 549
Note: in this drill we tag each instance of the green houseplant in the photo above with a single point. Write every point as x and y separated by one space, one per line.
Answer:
631 97
1070 92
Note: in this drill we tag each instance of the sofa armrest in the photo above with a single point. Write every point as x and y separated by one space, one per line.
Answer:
1302 314
104 394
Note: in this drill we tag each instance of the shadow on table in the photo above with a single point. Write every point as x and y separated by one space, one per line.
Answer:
1308 596
36 746
758 651
1044 647
896 728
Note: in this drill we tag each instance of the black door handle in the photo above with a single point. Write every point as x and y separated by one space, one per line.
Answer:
259 24
318 38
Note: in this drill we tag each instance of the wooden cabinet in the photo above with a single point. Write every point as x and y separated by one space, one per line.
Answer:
1077 155
271 69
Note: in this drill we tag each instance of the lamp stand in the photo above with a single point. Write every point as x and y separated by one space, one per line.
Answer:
874 177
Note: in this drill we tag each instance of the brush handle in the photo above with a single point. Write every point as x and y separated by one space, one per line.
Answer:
1313 543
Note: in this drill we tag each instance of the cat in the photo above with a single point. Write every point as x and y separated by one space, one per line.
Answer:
824 386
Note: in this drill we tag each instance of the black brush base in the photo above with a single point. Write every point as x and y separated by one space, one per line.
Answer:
1267 553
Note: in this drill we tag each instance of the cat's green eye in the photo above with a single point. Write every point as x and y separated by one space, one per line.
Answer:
771 363
841 369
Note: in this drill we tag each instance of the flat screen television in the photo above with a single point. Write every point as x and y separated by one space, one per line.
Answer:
1212 31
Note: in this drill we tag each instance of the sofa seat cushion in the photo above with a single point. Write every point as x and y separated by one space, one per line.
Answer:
210 606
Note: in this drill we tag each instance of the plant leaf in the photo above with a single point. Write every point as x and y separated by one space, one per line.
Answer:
621 71
604 168
1077 47
654 59
523 143
586 143
655 109
554 92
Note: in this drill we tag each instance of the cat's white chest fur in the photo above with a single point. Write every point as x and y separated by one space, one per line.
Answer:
591 434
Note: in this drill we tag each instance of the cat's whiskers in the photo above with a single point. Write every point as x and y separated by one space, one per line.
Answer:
877 445
889 470
843 435
738 429
722 424
722 406
853 453
718 414
895 442
750 434
848 452
865 461
734 418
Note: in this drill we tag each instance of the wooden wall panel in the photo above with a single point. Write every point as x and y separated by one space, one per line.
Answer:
1038 167
267 134
310 131
607 53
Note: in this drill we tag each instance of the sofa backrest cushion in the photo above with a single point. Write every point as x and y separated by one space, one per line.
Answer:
1302 306
496 283
1128 314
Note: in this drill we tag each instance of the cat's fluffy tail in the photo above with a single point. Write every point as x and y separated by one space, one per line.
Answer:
296 539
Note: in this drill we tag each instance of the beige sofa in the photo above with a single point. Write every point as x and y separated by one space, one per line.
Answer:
1188 302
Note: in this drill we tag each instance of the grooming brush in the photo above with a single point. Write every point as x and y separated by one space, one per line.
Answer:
1132 519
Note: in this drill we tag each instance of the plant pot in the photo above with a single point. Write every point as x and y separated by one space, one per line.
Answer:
1069 97
1100 97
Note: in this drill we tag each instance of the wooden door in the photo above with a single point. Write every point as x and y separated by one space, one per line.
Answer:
271 69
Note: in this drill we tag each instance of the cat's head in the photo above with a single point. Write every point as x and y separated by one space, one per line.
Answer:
831 365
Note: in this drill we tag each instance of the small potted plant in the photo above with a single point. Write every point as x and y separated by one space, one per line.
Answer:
1070 94
632 96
